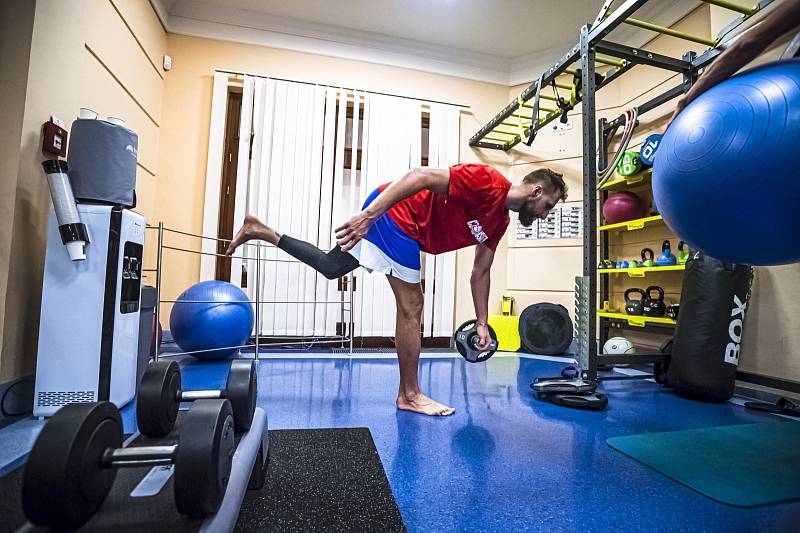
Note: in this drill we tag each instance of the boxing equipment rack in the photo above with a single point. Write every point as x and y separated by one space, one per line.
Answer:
522 118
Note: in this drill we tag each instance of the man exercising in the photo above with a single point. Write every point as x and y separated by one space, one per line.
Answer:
433 211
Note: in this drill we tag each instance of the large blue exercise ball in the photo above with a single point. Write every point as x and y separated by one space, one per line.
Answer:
211 318
727 175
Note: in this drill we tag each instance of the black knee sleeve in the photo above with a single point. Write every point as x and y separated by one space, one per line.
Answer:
332 265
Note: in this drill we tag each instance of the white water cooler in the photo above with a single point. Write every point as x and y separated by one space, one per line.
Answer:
88 334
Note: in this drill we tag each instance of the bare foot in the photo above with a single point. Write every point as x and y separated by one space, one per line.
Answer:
423 405
252 228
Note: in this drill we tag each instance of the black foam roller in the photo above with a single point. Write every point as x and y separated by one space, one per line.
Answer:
545 329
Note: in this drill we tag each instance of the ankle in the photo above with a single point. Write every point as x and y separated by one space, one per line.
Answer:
273 237
409 395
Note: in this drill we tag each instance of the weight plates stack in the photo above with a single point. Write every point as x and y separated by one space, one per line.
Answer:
570 392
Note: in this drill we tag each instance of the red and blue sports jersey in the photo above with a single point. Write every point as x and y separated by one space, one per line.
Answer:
472 212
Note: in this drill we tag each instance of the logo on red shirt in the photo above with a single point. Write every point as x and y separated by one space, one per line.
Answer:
477 231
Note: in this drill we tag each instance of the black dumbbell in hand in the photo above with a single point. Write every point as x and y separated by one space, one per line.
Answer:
72 465
160 395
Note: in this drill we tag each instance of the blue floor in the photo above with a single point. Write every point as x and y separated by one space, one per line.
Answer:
504 461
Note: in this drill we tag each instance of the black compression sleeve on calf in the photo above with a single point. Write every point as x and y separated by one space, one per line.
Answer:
332 265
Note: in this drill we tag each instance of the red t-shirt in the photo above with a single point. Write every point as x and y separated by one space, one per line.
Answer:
473 211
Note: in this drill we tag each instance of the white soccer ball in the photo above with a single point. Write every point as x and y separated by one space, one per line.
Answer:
618 346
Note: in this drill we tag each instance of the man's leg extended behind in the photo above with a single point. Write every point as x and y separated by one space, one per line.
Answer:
332 265
409 299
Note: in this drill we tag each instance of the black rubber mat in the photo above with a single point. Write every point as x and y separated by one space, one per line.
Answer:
322 480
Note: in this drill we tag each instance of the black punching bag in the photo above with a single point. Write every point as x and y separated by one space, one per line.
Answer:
705 350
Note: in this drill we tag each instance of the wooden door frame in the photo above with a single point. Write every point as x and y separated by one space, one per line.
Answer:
227 188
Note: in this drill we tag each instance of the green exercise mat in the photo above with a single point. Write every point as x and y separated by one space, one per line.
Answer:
752 464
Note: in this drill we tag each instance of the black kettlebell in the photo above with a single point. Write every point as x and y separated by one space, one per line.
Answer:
648 257
605 264
672 311
634 307
654 306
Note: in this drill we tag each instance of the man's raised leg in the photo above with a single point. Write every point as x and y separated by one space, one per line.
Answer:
253 228
409 299
333 264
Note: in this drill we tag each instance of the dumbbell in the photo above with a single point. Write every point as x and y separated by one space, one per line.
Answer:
160 395
466 340
74 461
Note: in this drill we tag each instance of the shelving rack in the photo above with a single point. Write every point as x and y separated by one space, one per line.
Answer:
522 118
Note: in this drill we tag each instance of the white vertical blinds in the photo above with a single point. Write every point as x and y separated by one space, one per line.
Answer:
297 171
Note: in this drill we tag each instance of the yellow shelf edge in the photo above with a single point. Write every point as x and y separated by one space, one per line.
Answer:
628 181
635 320
640 271
631 225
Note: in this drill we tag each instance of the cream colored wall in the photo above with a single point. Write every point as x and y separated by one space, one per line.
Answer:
184 139
102 54
16 29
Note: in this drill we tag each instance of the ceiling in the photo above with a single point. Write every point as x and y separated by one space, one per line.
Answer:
501 41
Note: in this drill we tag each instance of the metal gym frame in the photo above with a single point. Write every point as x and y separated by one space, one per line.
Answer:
592 50
345 303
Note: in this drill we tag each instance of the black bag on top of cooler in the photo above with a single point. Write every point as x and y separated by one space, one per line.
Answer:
102 162
705 350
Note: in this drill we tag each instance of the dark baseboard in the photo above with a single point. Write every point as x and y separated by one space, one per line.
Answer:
358 342
768 381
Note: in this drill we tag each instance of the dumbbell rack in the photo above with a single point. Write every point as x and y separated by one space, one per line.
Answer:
142 497
343 340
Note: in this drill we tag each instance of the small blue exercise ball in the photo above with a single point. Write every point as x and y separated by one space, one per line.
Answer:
214 316
727 178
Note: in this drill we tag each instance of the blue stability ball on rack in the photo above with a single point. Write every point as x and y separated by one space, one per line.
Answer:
211 315
727 179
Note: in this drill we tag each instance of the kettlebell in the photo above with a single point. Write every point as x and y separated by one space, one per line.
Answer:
683 254
672 311
647 257
634 307
606 264
633 263
622 264
654 306
666 258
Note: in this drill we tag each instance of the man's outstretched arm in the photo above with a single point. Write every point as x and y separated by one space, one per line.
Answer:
746 48
480 282
433 179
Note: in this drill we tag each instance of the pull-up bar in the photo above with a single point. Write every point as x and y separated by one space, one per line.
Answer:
733 6
669 31
529 106
504 132
528 117
611 61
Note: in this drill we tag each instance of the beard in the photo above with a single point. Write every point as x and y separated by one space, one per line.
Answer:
526 217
